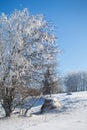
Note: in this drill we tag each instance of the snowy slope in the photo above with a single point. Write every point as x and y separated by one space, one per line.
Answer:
72 116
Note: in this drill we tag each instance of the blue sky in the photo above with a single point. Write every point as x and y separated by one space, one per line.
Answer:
70 18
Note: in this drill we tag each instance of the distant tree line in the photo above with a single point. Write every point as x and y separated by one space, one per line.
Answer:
76 81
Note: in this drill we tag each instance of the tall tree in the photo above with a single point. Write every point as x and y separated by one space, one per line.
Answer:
26 44
52 81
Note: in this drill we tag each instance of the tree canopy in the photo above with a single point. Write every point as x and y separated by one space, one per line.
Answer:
27 47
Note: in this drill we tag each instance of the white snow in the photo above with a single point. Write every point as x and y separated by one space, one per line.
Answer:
72 116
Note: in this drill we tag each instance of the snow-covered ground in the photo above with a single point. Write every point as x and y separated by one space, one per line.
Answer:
72 116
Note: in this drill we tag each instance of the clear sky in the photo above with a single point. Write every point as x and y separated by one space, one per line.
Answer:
70 18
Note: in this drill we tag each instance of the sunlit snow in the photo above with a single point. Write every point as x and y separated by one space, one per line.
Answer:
71 116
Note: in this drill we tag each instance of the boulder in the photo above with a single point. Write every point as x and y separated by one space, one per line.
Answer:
50 104
68 93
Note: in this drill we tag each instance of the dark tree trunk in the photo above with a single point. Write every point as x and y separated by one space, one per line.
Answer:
7 102
7 109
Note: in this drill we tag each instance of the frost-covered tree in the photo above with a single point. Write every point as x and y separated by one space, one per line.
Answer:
27 43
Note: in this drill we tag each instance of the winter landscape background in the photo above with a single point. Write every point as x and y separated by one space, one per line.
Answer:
43 65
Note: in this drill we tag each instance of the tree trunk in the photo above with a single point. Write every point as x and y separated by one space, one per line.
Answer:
7 105
7 109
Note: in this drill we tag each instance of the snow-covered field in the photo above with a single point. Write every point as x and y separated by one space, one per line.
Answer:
72 116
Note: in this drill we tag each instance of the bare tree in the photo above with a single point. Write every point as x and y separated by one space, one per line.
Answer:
26 43
76 82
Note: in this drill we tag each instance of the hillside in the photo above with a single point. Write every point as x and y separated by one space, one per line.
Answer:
72 116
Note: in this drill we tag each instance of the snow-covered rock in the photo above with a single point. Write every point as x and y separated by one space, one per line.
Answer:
50 104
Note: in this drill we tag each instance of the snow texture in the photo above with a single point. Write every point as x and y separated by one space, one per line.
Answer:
71 116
